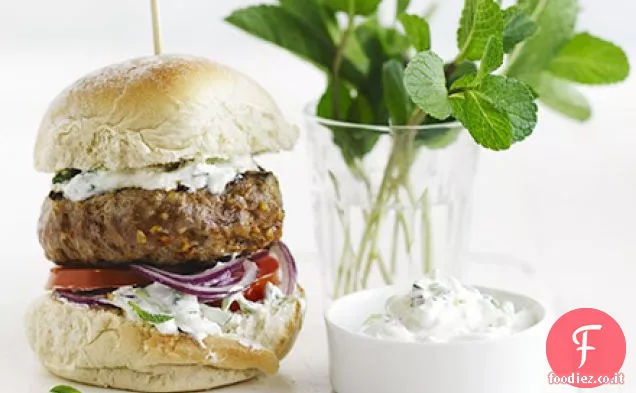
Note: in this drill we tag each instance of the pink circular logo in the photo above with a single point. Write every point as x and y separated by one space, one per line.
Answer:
586 348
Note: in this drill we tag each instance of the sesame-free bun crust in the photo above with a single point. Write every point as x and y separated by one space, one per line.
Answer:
100 347
156 110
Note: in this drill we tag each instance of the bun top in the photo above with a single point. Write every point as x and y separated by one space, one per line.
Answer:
157 110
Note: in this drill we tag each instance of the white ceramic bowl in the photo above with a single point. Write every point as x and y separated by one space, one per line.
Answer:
363 364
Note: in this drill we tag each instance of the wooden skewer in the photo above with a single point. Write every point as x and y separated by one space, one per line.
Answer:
156 32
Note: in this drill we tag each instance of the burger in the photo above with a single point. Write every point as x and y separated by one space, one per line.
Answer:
169 274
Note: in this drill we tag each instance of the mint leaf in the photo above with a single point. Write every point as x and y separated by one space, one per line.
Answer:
311 13
63 389
149 317
426 84
353 142
401 6
488 125
334 107
283 28
394 42
395 95
418 31
561 96
515 99
359 7
518 26
556 20
492 59
530 6
590 60
465 82
368 35
480 20
361 111
464 68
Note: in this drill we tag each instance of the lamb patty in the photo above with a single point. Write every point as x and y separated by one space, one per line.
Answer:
163 228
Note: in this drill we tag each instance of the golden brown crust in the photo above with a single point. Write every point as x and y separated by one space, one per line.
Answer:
164 228
158 110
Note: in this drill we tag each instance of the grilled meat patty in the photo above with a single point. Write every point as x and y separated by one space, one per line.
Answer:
163 228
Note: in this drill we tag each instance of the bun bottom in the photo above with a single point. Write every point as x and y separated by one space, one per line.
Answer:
158 379
99 346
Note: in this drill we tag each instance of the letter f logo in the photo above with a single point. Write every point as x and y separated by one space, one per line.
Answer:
583 344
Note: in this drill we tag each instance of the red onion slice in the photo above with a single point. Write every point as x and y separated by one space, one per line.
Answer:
90 300
207 276
250 271
287 265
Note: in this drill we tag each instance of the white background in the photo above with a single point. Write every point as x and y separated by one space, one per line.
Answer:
565 199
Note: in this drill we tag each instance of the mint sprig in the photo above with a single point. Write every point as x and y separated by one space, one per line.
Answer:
590 60
363 60
481 19
426 83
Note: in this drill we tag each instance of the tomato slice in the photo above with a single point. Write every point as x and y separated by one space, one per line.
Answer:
267 272
73 279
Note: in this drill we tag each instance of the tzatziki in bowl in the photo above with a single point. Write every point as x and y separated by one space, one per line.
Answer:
439 336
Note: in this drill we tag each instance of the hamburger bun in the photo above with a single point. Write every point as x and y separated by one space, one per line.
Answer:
99 346
158 110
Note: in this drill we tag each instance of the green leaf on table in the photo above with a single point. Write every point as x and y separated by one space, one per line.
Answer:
492 58
590 60
518 26
395 95
63 389
462 69
425 82
149 317
284 29
555 20
480 20
488 125
358 7
401 6
561 96
417 30
515 99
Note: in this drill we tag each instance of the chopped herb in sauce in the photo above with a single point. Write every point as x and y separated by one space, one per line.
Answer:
65 175
149 317
173 166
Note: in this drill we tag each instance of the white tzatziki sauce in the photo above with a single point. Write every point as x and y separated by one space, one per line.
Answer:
173 312
195 176
441 310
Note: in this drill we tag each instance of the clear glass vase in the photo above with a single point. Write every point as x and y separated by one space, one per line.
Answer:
390 203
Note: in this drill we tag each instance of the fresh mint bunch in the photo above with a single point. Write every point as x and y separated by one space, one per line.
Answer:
390 75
